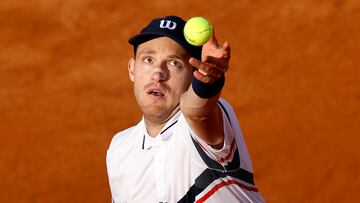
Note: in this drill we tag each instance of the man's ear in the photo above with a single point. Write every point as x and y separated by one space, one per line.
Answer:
131 66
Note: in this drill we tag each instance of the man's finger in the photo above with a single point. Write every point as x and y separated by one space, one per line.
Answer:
213 40
218 51
210 69
226 49
194 62
202 67
218 63
204 78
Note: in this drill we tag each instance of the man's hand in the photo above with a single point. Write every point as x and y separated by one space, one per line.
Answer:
214 63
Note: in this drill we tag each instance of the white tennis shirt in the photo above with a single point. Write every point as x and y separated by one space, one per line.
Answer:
177 166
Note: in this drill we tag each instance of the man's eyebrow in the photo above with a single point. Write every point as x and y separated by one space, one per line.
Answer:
181 57
172 56
147 51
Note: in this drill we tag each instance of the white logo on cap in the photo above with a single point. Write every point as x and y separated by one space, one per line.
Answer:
171 25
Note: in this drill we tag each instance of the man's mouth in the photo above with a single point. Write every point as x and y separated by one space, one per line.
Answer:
156 92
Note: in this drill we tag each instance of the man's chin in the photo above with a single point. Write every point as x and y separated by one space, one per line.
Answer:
158 113
155 117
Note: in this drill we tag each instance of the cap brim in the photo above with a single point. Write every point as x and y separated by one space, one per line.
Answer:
141 38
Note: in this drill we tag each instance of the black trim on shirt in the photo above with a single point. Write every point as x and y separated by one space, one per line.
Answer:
226 113
234 165
143 143
211 163
169 127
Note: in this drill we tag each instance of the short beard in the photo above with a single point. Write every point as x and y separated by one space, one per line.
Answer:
161 115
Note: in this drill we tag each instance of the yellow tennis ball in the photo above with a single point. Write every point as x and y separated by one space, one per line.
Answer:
197 31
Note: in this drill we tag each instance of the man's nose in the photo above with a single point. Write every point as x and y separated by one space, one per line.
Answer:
160 74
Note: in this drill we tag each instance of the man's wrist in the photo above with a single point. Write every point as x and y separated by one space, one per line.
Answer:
206 91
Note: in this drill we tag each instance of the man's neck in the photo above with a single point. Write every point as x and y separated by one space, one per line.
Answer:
155 124
152 128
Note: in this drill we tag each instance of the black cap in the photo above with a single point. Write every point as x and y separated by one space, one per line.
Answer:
169 26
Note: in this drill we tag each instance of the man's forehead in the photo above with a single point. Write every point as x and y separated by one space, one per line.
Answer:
162 45
162 41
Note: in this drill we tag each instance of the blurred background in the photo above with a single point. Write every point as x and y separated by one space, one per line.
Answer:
64 92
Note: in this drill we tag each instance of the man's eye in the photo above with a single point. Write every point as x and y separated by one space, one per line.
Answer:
175 63
148 60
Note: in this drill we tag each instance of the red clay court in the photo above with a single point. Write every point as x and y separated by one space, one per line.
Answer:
293 81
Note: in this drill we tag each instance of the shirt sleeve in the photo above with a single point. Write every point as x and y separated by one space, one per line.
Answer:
226 153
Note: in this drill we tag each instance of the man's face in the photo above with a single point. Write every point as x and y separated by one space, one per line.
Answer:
161 74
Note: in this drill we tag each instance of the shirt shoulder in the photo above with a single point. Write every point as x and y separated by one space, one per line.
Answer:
121 137
122 143
224 154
